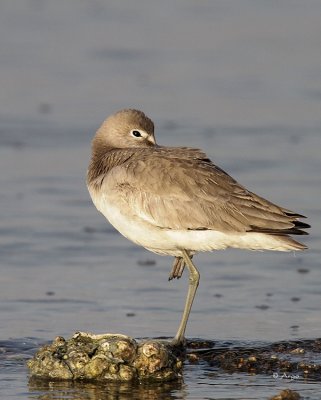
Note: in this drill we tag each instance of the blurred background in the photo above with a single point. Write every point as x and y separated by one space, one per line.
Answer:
240 79
244 63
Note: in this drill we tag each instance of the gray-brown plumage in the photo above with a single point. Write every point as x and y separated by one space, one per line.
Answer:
175 201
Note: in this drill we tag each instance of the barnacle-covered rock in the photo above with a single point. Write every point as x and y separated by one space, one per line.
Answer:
106 357
287 394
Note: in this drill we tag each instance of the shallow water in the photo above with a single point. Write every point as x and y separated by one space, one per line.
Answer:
239 79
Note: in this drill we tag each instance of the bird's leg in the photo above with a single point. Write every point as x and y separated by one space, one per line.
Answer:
194 278
177 268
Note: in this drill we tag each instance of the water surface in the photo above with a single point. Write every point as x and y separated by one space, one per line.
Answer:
241 80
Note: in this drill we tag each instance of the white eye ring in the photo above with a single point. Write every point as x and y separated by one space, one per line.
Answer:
136 133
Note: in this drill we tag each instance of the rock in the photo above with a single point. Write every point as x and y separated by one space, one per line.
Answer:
287 394
106 357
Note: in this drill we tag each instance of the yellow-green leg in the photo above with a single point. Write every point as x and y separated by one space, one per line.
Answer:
194 278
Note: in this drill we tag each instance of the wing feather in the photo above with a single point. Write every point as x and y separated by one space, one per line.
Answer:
180 188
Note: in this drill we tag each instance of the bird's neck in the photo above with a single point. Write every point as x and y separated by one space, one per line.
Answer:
103 160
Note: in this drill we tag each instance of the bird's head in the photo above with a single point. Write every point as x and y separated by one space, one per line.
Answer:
125 129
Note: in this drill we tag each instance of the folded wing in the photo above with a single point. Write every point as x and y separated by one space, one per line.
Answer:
180 188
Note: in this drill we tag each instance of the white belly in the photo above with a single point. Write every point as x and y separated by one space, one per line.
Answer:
171 242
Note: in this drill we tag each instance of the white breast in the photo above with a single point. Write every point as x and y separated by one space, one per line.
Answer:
132 227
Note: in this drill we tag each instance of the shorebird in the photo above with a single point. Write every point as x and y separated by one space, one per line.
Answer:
175 201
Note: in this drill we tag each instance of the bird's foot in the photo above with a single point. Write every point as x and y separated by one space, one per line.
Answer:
177 268
178 342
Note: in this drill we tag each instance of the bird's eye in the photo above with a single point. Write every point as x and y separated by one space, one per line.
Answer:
136 133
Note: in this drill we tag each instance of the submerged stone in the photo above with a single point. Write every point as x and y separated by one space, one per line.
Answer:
106 357
287 394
